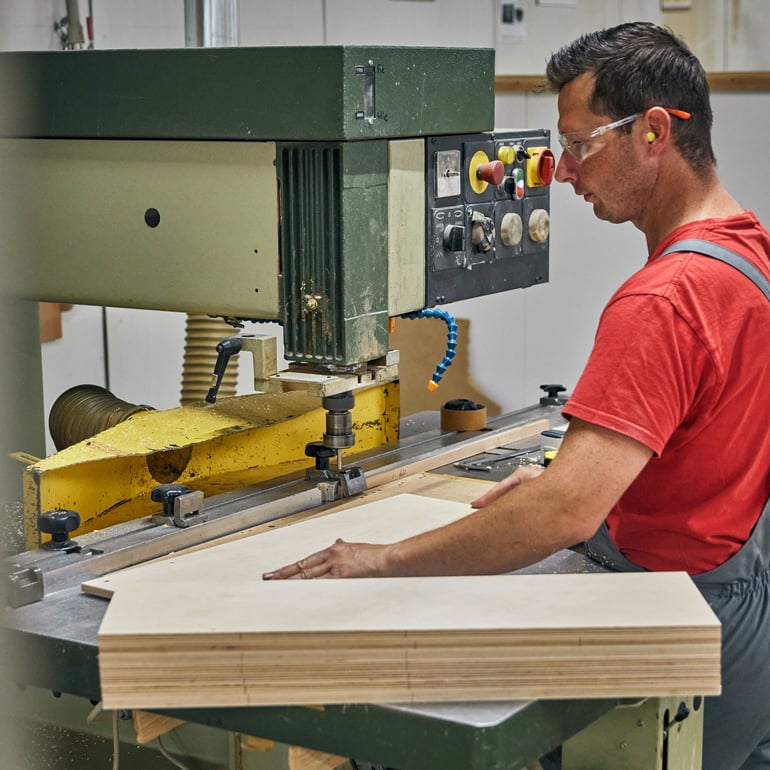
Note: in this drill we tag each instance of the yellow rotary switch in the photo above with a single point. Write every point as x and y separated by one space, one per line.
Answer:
506 154
541 166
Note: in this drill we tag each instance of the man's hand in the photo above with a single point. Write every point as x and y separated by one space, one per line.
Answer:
341 560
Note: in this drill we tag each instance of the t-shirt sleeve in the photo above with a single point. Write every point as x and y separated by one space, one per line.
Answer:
643 372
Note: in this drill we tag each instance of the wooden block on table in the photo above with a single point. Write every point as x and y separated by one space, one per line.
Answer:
301 758
149 726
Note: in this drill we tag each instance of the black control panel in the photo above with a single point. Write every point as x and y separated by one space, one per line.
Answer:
488 219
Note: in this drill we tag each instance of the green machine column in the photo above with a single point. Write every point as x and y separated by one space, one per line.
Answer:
334 235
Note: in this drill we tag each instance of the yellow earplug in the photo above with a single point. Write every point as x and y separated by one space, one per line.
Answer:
650 137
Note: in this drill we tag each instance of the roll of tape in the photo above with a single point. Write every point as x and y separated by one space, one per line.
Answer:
463 414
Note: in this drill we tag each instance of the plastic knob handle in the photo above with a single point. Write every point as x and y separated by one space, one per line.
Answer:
454 238
539 225
492 172
58 524
321 453
317 449
511 229
552 389
552 397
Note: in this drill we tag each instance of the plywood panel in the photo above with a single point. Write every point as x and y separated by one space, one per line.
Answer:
205 630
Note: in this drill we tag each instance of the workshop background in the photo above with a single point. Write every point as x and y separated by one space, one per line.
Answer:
516 340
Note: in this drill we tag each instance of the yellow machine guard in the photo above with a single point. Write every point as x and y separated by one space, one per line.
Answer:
213 448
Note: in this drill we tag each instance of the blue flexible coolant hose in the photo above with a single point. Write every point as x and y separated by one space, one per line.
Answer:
451 345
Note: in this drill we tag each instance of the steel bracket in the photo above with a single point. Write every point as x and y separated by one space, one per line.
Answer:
188 511
24 585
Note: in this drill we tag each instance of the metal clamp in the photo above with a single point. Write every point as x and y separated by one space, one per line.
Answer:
188 509
335 485
181 507
352 481
24 585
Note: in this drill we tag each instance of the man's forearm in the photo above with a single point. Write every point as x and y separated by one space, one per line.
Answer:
523 526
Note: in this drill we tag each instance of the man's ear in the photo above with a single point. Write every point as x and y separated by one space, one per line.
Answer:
658 129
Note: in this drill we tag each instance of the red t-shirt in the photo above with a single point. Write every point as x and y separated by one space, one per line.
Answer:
681 363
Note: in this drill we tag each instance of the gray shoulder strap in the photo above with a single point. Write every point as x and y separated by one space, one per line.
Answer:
723 254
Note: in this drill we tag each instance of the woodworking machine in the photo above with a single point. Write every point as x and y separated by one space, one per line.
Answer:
330 189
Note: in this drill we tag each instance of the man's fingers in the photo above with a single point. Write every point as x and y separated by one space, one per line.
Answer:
304 569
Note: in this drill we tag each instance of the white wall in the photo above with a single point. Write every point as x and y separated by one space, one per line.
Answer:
548 329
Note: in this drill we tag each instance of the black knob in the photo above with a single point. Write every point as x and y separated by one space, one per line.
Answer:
553 390
165 493
322 454
521 153
552 395
509 185
58 524
454 238
152 217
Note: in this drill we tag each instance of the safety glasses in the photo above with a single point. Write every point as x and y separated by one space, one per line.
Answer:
581 147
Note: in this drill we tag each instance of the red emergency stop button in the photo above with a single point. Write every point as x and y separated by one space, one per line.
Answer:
492 172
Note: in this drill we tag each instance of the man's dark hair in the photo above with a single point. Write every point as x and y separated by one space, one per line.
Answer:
637 66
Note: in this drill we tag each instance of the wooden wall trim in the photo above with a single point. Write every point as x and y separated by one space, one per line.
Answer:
520 84
719 81
739 81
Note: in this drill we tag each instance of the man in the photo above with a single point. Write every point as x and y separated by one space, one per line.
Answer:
666 463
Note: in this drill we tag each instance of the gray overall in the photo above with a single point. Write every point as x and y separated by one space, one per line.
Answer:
736 723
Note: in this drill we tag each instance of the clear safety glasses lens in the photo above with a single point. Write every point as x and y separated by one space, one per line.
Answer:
580 149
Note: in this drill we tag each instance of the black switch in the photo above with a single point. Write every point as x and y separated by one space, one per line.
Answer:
454 238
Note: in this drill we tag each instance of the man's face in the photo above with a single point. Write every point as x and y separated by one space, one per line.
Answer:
604 169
